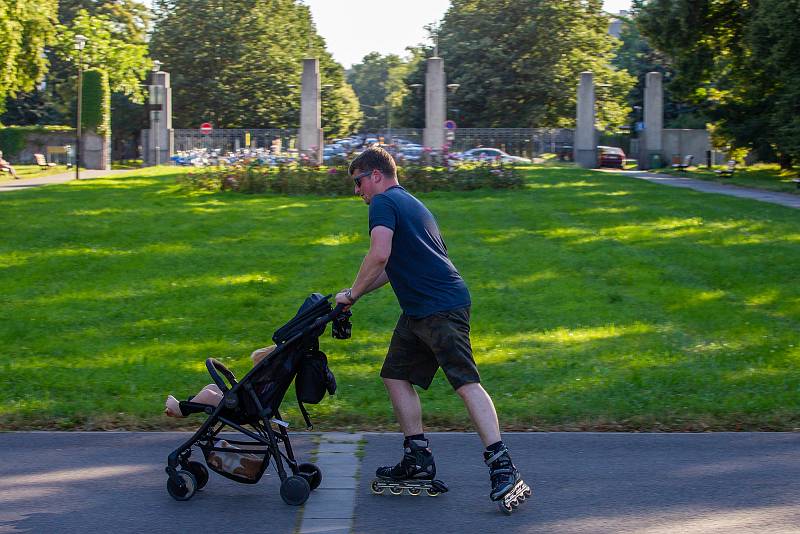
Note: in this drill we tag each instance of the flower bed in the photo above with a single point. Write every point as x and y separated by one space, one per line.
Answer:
297 179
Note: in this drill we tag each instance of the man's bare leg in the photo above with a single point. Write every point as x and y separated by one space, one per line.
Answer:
405 402
481 411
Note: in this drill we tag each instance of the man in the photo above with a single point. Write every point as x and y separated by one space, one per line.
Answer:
6 166
407 250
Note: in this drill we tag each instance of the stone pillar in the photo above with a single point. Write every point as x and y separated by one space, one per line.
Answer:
585 149
160 139
310 138
96 151
653 121
435 104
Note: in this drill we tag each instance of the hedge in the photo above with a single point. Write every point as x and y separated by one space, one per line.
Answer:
96 115
13 138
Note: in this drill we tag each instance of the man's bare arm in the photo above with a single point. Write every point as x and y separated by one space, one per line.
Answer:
372 273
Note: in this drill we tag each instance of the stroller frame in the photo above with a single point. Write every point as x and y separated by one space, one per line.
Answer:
185 476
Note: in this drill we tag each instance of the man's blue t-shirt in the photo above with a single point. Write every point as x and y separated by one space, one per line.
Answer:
422 276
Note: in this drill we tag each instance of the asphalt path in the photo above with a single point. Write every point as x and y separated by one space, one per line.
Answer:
582 482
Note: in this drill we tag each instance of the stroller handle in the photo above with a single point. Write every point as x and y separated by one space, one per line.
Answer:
215 365
325 319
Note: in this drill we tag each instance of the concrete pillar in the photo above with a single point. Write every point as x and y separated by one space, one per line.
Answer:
96 151
435 104
585 148
160 139
653 120
310 137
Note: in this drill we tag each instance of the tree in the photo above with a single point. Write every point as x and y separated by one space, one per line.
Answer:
26 27
518 62
238 64
379 82
736 60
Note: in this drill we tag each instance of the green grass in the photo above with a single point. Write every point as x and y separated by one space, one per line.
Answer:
599 302
33 171
769 177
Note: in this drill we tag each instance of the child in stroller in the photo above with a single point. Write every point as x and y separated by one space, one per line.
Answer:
250 406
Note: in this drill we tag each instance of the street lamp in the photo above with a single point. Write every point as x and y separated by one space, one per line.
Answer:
453 87
80 42
156 105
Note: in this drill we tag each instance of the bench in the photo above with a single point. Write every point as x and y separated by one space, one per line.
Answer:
728 171
42 162
687 161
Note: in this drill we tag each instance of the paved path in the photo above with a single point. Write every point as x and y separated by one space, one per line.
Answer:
784 199
583 482
16 185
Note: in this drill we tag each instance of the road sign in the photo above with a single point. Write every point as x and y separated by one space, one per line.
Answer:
450 135
205 128
450 125
247 139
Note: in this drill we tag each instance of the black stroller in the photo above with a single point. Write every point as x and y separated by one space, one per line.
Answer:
250 406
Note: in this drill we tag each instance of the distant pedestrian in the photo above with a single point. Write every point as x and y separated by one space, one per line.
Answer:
407 250
6 166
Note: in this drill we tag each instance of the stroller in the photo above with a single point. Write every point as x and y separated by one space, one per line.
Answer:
250 406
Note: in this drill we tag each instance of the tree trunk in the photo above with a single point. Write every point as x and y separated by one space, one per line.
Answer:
785 160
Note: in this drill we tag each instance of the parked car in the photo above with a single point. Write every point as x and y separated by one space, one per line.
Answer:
411 153
492 154
610 156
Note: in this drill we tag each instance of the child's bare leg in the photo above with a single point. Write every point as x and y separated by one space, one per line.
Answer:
211 394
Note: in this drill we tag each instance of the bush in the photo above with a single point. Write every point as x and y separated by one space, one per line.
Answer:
293 179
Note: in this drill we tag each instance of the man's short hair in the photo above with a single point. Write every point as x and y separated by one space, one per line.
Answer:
374 158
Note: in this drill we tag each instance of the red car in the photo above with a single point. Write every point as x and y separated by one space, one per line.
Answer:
610 156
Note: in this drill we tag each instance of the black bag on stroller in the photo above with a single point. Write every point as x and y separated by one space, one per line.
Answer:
251 407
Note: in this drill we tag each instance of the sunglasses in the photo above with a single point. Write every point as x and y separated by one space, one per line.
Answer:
357 179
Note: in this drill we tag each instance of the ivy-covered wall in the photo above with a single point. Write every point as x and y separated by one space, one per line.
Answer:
14 138
96 115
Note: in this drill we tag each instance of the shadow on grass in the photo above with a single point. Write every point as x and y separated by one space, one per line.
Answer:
597 300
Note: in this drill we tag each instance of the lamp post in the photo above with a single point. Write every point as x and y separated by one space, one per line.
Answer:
80 42
156 102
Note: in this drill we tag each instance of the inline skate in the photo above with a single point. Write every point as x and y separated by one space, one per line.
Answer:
414 474
508 488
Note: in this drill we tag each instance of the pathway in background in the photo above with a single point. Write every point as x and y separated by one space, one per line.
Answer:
16 185
784 199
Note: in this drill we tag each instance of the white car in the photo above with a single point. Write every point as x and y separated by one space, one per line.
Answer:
492 154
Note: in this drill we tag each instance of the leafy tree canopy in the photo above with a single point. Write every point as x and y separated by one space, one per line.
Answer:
379 82
26 28
518 62
738 60
239 64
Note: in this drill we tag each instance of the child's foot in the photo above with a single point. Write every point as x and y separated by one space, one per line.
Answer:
172 407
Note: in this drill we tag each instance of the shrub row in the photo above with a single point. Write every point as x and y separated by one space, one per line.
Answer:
334 181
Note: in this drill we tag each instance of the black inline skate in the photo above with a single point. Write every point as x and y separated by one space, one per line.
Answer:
508 488
414 473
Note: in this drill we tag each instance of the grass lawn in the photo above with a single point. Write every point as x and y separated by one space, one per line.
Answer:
760 176
599 302
33 171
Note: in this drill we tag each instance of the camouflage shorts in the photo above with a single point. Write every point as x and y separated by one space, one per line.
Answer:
421 345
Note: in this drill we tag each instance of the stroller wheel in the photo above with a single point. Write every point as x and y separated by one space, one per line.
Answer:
311 473
188 490
200 473
295 490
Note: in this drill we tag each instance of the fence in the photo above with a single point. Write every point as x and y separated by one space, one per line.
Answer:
518 141
232 139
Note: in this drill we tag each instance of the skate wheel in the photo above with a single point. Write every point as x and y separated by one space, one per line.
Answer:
527 493
376 488
506 509
514 503
414 491
396 491
432 492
